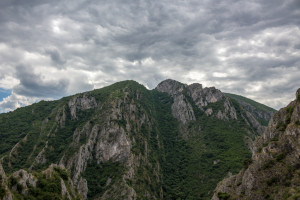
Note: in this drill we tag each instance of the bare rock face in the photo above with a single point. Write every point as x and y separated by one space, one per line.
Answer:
203 96
82 187
228 112
4 185
266 115
182 110
81 103
171 87
274 172
25 178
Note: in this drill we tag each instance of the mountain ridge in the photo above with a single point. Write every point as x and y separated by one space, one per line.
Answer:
163 142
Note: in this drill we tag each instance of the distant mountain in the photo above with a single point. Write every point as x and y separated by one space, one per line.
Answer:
273 172
126 142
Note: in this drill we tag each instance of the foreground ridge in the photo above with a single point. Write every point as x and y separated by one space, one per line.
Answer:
274 170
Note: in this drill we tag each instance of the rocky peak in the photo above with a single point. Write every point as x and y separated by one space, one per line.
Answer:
203 96
171 87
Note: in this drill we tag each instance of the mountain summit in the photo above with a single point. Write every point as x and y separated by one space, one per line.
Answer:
126 142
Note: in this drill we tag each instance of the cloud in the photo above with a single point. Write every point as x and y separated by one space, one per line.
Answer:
56 57
34 85
49 49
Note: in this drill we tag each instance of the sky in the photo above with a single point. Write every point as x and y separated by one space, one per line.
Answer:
51 49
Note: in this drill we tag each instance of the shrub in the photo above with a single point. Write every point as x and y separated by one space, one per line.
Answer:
223 196
272 181
19 188
281 126
62 173
279 157
12 181
268 164
247 162
2 192
259 149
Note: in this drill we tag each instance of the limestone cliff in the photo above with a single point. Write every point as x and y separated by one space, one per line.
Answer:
274 170
206 99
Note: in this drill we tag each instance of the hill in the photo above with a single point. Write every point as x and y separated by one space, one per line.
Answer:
126 142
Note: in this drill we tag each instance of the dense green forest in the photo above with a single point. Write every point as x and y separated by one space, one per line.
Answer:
192 158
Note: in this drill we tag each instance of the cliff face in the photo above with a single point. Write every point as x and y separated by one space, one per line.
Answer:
126 142
206 98
274 170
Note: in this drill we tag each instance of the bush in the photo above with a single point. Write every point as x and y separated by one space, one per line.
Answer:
279 157
268 164
223 196
272 181
247 162
2 192
62 173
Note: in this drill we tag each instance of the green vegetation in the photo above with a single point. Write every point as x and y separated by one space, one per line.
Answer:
101 176
258 107
223 196
15 125
175 161
47 186
247 162
2 191
190 165
251 102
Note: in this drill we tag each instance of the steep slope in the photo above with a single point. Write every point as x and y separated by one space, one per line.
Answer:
218 131
274 170
126 142
100 137
261 112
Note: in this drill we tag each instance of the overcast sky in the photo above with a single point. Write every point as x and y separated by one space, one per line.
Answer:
50 49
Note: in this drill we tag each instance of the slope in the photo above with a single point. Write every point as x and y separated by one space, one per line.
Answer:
274 170
126 142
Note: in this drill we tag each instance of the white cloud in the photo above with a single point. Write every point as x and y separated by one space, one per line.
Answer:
251 48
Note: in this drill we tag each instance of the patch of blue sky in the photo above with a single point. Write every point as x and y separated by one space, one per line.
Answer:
4 93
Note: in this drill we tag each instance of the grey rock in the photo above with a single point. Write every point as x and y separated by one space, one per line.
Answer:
182 109
171 87
82 187
83 102
280 138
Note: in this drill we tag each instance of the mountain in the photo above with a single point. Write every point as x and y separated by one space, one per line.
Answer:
126 142
274 170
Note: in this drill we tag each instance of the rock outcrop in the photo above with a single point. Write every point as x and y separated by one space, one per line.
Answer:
274 170
53 181
79 103
181 108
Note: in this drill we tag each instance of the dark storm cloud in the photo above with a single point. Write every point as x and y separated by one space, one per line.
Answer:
56 57
248 47
33 85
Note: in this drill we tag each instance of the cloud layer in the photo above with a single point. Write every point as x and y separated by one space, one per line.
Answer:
57 48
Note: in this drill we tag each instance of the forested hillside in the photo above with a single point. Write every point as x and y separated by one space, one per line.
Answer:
126 142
